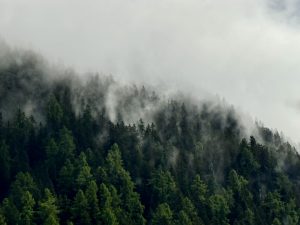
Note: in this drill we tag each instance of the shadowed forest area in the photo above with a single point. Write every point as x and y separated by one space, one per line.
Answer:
90 151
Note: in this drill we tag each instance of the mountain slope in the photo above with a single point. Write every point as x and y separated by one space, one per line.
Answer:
90 151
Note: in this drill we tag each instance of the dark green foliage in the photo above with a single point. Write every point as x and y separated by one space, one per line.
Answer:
189 211
98 153
163 187
80 209
10 211
54 114
48 209
184 219
66 146
84 172
108 211
2 220
23 186
93 201
219 209
131 208
5 164
164 215
27 210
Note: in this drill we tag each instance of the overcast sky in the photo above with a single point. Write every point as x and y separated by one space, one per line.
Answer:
247 51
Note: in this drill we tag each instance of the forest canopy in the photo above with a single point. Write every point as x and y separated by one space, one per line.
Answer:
90 151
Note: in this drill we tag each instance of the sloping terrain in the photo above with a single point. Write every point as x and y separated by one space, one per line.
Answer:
87 150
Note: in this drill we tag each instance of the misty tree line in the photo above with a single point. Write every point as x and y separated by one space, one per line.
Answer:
64 159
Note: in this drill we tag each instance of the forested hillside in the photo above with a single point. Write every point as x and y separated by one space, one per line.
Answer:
86 150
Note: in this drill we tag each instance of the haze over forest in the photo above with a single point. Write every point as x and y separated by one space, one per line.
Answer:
161 112
244 51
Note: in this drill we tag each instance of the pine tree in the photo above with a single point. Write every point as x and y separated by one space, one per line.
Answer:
5 162
10 211
163 215
273 206
80 209
243 199
48 210
164 187
276 222
219 209
54 113
84 175
245 163
292 212
23 130
66 180
2 220
27 210
92 198
198 194
2 217
66 146
190 211
183 219
52 154
107 212
132 209
23 183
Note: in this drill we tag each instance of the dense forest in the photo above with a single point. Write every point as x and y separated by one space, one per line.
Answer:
85 150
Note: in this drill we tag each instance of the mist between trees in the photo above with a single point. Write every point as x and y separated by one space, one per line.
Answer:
86 150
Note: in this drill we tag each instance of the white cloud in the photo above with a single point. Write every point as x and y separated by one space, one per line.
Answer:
245 50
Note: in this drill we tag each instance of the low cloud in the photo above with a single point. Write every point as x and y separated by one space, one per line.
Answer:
245 51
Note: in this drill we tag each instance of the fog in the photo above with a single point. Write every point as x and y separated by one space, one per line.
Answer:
246 51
